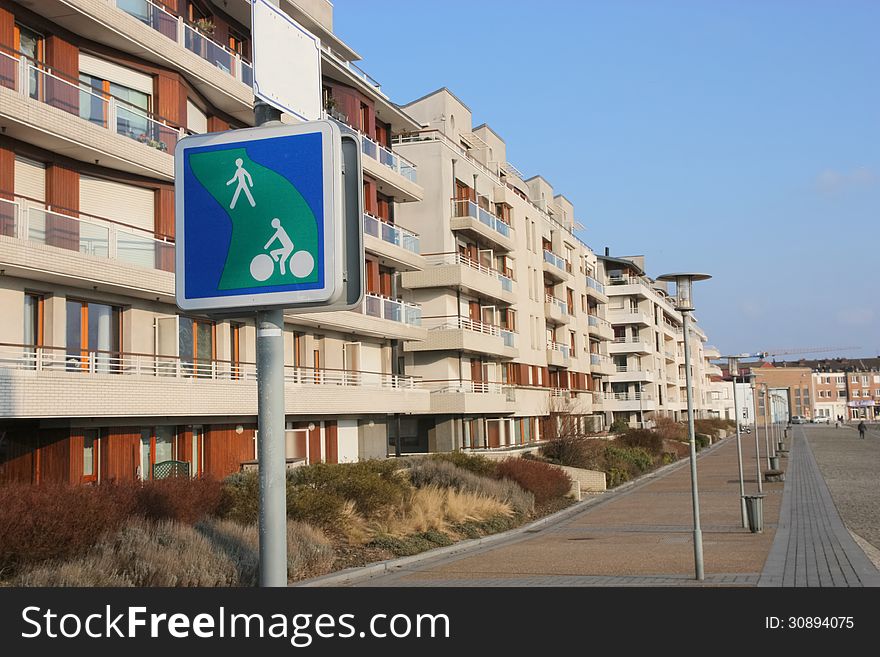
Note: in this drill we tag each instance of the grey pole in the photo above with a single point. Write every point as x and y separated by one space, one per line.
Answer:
270 423
698 534
766 430
739 457
767 438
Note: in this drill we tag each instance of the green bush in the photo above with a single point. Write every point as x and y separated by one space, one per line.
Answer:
241 497
320 508
615 477
646 439
479 465
701 440
373 486
587 453
443 474
619 426
632 460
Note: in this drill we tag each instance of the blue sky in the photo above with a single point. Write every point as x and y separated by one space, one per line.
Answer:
737 138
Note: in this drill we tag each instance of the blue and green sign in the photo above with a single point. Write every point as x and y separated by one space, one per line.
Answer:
255 214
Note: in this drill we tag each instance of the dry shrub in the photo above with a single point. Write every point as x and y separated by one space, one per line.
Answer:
645 439
713 425
443 474
55 521
586 453
544 481
182 499
475 463
679 449
669 429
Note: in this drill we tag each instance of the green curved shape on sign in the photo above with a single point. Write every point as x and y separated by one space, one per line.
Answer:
274 231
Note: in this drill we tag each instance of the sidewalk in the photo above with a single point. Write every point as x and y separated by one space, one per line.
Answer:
644 536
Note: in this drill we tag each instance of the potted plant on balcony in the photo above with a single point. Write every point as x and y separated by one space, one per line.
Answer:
205 26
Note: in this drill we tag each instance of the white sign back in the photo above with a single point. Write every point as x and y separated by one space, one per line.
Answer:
287 62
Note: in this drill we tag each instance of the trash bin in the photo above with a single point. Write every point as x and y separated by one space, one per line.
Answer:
780 446
774 462
755 512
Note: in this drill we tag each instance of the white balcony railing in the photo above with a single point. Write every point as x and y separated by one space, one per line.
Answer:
564 349
85 363
555 260
594 284
33 80
594 320
88 235
627 396
391 160
448 386
394 310
561 305
455 258
390 233
188 36
466 208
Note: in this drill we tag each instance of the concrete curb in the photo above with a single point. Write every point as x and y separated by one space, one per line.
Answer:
359 573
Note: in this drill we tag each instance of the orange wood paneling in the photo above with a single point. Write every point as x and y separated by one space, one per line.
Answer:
62 193
216 124
7 40
63 58
315 445
17 453
331 441
119 454
54 456
225 450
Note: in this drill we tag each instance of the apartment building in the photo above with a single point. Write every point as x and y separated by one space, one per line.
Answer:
718 393
100 376
512 301
647 348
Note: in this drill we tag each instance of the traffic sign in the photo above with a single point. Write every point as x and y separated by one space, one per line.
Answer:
260 218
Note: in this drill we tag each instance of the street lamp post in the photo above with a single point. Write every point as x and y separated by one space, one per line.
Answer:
684 304
733 369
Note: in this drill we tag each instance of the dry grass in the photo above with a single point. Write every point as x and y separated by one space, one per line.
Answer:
434 508
167 553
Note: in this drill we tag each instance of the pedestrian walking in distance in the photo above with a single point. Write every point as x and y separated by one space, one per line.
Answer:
862 429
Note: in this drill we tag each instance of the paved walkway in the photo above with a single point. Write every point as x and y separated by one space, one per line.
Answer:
812 546
643 536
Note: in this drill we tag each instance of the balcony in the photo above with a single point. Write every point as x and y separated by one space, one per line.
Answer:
601 365
478 223
391 168
629 401
463 334
556 310
46 382
556 267
398 247
378 317
470 397
457 271
596 290
558 354
628 316
629 345
628 285
41 244
600 328
64 115
669 355
628 373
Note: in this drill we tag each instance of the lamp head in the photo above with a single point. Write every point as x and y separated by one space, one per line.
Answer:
684 288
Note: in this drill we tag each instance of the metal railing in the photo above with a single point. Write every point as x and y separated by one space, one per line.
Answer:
186 35
456 258
630 340
599 359
627 396
390 233
594 284
88 235
564 349
391 160
447 386
595 320
33 80
395 310
467 208
561 305
79 362
356 70
554 260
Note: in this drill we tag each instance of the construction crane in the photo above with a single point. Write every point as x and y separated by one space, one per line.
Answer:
807 350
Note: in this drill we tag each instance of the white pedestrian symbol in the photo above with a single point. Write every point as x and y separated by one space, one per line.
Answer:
301 263
244 181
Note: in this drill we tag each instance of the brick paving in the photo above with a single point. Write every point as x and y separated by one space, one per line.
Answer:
812 546
643 536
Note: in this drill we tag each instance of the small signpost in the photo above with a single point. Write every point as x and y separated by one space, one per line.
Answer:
269 219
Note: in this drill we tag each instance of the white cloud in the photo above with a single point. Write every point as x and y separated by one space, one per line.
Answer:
831 181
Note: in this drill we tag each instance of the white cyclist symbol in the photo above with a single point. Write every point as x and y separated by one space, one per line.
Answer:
263 265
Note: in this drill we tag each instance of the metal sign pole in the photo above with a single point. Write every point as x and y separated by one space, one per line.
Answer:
739 456
270 422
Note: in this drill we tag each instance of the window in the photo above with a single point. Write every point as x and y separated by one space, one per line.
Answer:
856 393
93 331
131 112
864 379
854 379
157 446
237 43
90 454
30 44
196 346
33 320
365 119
